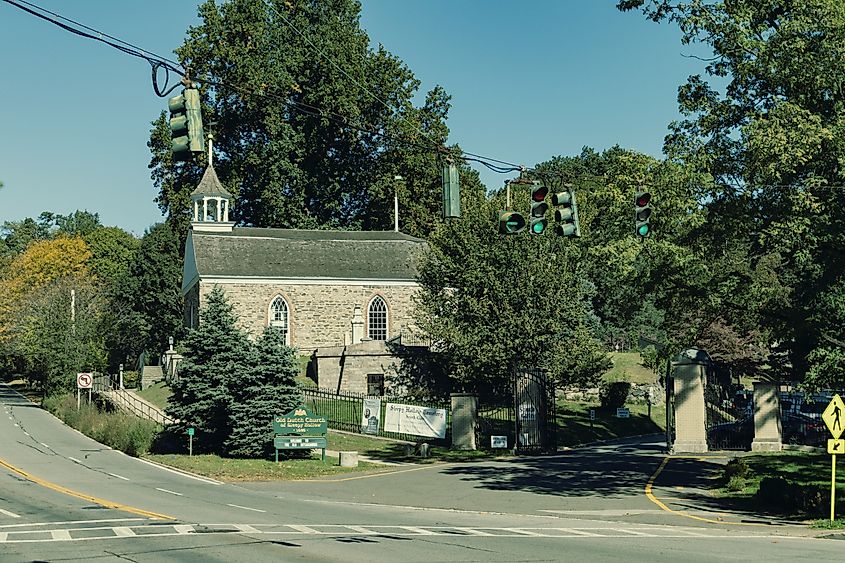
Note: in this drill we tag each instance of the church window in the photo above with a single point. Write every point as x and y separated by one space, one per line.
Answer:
377 319
279 316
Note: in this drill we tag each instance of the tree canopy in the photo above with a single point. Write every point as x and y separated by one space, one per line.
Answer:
312 126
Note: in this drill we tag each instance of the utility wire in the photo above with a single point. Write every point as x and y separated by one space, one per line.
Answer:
158 62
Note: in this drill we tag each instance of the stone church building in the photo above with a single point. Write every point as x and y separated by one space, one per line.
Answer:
339 296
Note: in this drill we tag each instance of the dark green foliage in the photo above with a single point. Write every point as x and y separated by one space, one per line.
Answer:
230 389
154 287
783 495
736 467
304 139
118 430
613 394
215 354
489 301
267 389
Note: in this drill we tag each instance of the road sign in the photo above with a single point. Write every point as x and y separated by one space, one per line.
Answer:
836 446
84 380
623 413
834 416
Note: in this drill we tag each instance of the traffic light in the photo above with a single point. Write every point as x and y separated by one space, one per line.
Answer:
539 207
186 124
642 214
510 222
567 216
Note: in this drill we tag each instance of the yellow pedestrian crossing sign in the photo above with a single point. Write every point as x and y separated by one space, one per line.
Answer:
834 416
835 446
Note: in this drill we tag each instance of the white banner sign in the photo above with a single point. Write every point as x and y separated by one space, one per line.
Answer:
411 419
370 416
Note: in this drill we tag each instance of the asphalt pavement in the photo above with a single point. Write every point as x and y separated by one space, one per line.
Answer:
65 497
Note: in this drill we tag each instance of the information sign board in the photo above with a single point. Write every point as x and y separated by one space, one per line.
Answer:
300 421
623 413
498 441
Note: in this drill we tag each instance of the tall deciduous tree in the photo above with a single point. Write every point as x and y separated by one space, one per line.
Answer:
492 303
154 287
312 125
767 121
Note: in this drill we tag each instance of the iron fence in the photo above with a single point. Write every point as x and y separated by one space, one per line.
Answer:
345 411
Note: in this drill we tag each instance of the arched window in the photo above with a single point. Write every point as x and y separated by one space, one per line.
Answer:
377 319
279 316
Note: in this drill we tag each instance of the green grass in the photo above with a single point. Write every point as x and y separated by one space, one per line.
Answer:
230 469
808 472
121 431
157 394
574 428
627 366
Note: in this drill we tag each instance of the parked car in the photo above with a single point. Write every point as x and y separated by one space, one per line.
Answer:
803 429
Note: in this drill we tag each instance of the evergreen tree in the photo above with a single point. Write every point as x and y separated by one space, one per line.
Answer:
216 355
267 389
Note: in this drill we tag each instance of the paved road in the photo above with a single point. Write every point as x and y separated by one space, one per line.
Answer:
64 497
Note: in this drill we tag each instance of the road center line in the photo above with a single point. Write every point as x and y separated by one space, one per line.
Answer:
7 513
89 498
245 508
169 492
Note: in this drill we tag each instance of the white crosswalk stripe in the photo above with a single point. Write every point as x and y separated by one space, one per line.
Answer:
87 533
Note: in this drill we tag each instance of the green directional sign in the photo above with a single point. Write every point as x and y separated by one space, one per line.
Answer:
302 422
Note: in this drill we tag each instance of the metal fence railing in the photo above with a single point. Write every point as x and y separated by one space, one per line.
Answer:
344 411
128 401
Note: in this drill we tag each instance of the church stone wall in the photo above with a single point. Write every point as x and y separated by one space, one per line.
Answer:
320 315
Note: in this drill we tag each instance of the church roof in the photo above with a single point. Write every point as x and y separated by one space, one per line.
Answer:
292 253
210 185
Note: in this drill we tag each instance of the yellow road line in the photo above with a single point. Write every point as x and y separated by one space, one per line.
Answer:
383 474
650 495
83 496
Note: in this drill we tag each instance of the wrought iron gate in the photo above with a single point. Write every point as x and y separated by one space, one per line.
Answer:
534 408
730 420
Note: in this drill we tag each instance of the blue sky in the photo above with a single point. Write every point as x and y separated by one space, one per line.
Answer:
529 80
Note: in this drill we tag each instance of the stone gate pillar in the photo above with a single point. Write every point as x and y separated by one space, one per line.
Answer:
767 424
690 373
464 415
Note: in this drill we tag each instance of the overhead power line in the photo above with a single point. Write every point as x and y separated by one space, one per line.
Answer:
158 62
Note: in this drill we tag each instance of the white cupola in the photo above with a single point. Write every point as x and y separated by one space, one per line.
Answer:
210 203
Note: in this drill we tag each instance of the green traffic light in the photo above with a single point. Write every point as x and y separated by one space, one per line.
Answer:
643 230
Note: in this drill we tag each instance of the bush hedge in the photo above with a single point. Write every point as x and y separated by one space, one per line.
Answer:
121 431
612 395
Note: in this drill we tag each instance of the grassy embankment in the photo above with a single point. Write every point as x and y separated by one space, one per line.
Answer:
790 484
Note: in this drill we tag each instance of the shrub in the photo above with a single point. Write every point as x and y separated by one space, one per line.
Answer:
736 467
121 431
613 395
783 495
736 483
